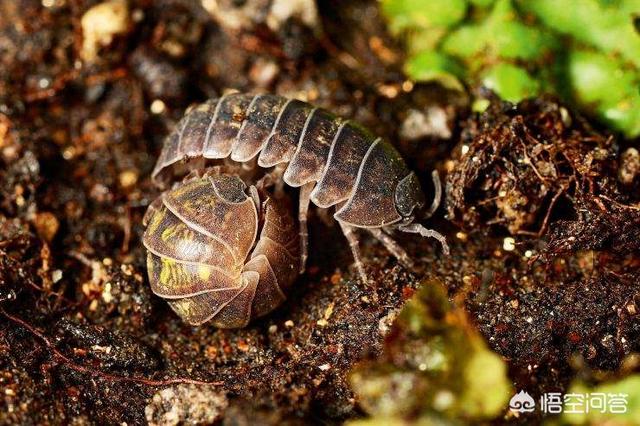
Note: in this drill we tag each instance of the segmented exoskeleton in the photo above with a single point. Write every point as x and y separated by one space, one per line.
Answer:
334 161
218 253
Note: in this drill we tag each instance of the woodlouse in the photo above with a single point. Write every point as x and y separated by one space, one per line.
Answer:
217 253
334 162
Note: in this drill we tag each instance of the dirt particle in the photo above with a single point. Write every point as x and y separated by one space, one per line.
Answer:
629 166
186 404
211 352
46 225
283 10
157 107
101 24
509 244
128 178
431 122
243 346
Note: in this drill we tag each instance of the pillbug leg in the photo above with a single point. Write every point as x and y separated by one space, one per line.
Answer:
393 247
325 216
355 250
438 194
213 171
277 173
305 199
273 178
255 196
416 228
193 174
199 173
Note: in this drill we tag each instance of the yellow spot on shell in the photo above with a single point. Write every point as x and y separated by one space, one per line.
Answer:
166 271
155 221
168 233
204 272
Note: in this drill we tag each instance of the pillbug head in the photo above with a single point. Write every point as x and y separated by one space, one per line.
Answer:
409 196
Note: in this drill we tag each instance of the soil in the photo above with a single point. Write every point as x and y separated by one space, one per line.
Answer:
84 341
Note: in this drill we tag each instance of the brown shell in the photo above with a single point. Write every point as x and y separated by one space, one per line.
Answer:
217 254
348 164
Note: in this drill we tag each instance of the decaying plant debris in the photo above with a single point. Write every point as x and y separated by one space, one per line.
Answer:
518 163
84 341
558 296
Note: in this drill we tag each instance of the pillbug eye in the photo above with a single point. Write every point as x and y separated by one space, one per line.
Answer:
409 196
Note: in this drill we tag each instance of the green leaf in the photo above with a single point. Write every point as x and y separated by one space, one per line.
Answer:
629 386
587 51
434 66
482 3
602 85
607 25
466 41
422 14
487 390
509 38
502 35
510 82
435 368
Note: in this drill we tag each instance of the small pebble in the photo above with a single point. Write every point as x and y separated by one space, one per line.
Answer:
283 10
46 225
157 107
509 244
100 24
211 352
128 178
329 311
629 166
93 306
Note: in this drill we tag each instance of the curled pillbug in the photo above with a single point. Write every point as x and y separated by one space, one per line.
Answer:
272 140
218 253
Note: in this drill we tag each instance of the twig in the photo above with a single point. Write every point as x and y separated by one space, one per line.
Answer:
126 226
545 222
623 206
529 162
81 369
345 57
